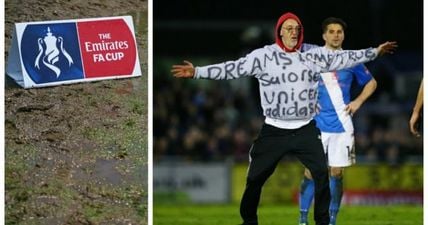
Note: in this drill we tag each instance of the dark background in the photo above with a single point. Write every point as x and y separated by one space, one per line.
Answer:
187 119
198 26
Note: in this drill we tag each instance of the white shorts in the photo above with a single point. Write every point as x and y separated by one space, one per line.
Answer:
339 148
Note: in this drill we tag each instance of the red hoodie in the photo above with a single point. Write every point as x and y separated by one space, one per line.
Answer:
278 40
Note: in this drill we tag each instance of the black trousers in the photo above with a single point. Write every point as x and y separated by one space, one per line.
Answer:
268 149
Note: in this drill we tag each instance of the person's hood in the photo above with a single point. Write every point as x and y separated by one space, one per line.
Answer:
278 40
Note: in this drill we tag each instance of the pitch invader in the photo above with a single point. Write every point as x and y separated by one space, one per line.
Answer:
335 120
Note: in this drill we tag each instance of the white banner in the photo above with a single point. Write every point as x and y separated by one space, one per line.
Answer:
208 182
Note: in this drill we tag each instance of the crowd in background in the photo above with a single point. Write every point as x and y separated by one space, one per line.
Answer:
217 120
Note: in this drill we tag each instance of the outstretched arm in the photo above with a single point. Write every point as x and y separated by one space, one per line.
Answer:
414 119
326 60
183 71
250 65
368 90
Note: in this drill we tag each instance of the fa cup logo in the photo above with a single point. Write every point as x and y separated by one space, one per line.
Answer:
50 48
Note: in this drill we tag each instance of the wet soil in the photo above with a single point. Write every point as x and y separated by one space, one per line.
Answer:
77 154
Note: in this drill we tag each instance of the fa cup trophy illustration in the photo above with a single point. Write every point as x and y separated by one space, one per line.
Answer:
49 52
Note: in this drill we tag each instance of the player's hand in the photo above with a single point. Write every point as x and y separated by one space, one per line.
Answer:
387 47
413 123
353 107
183 71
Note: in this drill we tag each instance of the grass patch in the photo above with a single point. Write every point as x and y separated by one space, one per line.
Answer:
284 215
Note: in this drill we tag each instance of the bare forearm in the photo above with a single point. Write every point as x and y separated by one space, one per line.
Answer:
419 99
368 90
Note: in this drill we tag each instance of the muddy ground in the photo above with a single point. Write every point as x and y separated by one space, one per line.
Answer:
77 154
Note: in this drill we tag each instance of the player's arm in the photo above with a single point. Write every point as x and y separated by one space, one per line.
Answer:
367 91
417 111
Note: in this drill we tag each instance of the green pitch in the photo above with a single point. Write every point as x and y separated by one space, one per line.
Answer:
283 215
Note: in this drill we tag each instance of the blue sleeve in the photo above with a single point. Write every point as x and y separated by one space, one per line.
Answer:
362 74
